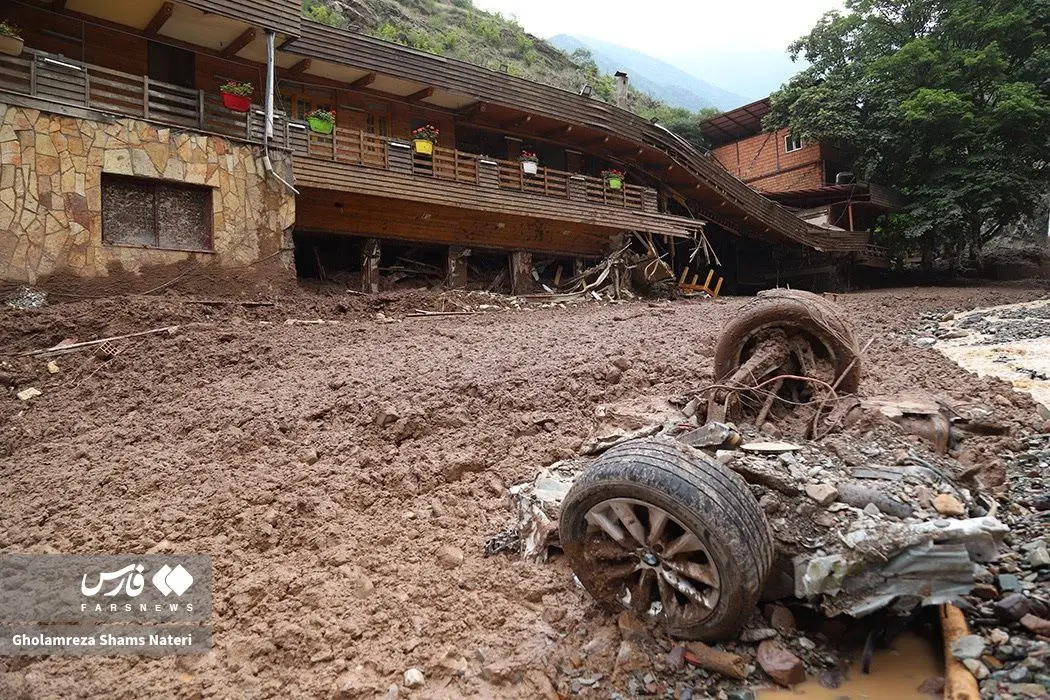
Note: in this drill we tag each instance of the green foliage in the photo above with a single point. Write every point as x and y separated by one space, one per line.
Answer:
681 121
235 87
320 12
947 100
9 30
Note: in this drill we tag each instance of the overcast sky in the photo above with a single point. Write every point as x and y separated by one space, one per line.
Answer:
692 34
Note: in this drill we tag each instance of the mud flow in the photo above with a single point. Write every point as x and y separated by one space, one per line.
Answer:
352 466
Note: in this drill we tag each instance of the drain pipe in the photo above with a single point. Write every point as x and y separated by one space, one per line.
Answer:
268 126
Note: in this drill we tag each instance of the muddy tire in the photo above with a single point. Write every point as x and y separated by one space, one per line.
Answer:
820 321
661 529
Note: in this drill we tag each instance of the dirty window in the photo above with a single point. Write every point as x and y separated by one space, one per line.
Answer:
156 214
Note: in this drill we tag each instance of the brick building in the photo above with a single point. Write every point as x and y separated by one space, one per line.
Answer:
812 179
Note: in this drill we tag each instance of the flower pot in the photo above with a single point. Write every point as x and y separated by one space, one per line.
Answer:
530 167
236 103
423 146
614 183
11 45
320 126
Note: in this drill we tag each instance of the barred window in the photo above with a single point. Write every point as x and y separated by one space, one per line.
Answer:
155 213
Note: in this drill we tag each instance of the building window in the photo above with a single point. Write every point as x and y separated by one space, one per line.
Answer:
154 213
792 143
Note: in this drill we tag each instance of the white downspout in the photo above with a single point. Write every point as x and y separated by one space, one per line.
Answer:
268 107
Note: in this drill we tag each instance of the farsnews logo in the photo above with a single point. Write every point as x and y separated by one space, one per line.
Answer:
130 581
169 580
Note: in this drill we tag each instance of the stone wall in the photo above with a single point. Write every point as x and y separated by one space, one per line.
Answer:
51 196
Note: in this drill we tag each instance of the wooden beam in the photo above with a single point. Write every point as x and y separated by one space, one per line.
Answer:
363 81
299 68
162 15
421 95
557 131
514 123
58 5
246 37
472 110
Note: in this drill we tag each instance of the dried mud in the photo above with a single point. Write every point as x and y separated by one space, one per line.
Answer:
345 476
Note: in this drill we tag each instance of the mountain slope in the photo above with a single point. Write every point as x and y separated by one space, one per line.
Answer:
660 79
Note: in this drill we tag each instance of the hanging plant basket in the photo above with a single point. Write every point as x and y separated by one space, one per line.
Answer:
530 163
237 97
613 179
322 121
424 138
11 45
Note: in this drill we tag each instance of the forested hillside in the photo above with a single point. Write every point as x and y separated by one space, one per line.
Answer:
457 29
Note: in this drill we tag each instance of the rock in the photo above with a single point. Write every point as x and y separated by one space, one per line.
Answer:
780 664
872 510
1009 583
1027 690
1012 608
386 415
310 456
630 657
969 647
757 635
1018 674
949 505
605 639
52 367
998 637
781 619
985 591
979 670
807 644
26 394
676 657
1036 625
613 375
1039 557
932 686
631 628
414 678
449 556
622 364
336 384
925 342
823 494
392 692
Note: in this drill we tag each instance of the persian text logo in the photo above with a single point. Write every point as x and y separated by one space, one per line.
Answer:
129 579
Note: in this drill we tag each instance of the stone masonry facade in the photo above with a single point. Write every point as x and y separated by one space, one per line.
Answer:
51 169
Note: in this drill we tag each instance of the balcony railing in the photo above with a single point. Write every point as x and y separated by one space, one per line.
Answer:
65 81
370 150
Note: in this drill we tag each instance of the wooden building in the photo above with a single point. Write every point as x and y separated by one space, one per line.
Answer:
118 154
814 180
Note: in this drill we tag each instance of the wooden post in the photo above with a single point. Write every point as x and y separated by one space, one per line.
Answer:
520 272
578 266
849 210
370 255
145 97
457 266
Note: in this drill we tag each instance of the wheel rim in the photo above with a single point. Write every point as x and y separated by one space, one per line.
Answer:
642 556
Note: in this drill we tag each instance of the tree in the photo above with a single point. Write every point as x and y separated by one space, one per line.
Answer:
946 100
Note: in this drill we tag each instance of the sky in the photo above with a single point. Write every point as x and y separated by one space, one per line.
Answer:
706 38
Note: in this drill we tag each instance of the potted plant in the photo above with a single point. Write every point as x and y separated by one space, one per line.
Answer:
529 162
10 39
613 179
237 96
424 138
322 121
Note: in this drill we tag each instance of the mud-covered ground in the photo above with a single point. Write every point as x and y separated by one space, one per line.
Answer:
345 476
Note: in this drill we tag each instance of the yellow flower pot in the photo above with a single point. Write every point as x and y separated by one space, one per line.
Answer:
423 147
